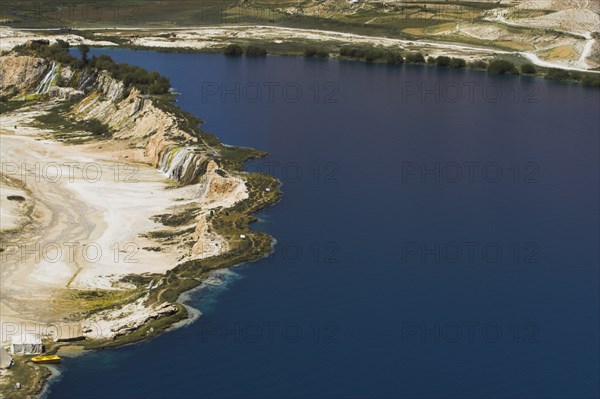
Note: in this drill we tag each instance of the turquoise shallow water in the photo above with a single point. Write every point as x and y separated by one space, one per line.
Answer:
430 244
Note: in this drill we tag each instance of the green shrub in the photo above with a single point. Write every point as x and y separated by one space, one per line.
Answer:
442 61
353 52
558 74
315 52
256 51
478 64
528 69
374 55
233 50
63 43
415 58
131 75
97 128
345 52
502 66
394 58
458 63
58 52
591 80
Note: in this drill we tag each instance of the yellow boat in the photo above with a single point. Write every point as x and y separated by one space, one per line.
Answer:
46 359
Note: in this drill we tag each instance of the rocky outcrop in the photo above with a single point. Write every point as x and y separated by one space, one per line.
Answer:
166 309
113 323
156 134
21 73
131 116
109 87
65 93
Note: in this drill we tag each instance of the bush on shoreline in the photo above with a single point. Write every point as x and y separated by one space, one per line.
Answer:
131 75
58 52
591 80
394 58
375 55
458 63
446 62
233 50
557 74
256 51
478 64
502 67
528 69
353 52
315 52
442 61
415 58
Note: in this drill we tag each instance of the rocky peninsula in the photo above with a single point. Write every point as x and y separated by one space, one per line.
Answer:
114 203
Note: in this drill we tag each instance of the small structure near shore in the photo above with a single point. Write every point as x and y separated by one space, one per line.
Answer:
66 332
5 359
26 344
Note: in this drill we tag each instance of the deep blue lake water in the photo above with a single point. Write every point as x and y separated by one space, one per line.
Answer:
438 237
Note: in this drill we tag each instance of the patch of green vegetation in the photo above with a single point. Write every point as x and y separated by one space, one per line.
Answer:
233 50
591 80
67 128
528 69
316 52
233 158
180 218
445 62
442 61
502 67
140 280
256 51
92 301
58 52
558 74
585 79
132 75
394 58
458 63
353 52
97 127
389 56
12 105
478 64
415 58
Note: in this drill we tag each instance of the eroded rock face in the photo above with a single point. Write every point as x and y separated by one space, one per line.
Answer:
132 117
112 323
65 93
20 73
111 88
